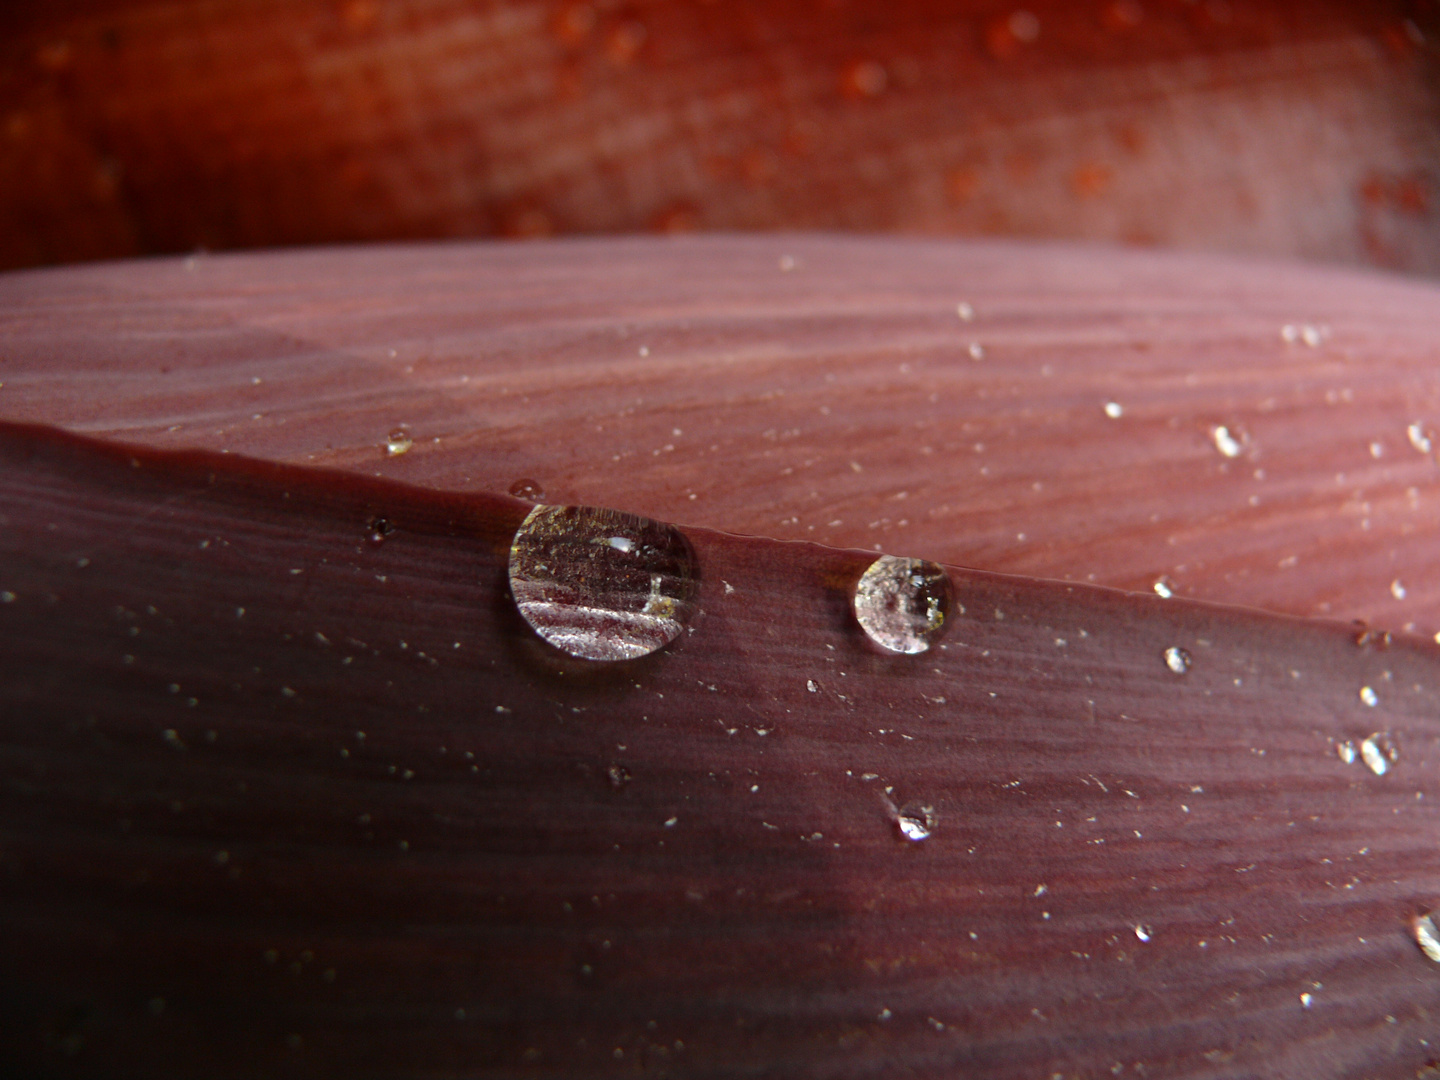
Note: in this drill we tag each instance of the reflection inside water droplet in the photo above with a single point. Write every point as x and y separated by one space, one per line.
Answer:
528 489
397 442
380 528
1177 660
902 604
602 585
915 822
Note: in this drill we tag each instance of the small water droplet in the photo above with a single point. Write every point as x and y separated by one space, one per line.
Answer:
902 604
1164 587
397 442
1345 752
1114 410
1427 937
915 822
1306 999
1367 695
1397 589
528 489
380 528
602 585
1177 660
1225 442
977 351
619 776
1418 438
1144 933
1379 753
965 310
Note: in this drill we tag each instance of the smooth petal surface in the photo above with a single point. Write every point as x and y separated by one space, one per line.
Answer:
813 388
280 800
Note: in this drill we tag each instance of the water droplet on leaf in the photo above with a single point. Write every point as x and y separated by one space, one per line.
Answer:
902 604
602 585
915 822
1177 660
397 442
528 489
1427 937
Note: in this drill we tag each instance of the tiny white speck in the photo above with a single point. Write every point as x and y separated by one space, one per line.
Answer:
670 822
1114 410
965 311
1367 695
976 351
1397 590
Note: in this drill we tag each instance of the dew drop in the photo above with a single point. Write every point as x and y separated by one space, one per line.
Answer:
965 310
902 604
1144 933
380 528
1427 937
1164 587
1345 752
1418 438
1397 589
1177 660
397 442
915 822
1368 696
527 489
602 585
1114 410
1379 753
1225 442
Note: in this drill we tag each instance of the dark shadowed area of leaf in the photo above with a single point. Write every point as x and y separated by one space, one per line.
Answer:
278 799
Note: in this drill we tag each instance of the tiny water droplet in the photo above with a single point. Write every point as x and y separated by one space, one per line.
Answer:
1427 937
1177 660
1114 410
1367 695
619 776
1418 438
1144 933
380 528
397 442
602 585
1345 752
527 489
1306 999
1164 587
902 604
977 351
915 822
965 310
1397 589
1379 753
1225 442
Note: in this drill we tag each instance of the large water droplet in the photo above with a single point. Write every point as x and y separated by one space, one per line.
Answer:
397 442
902 604
602 585
915 822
